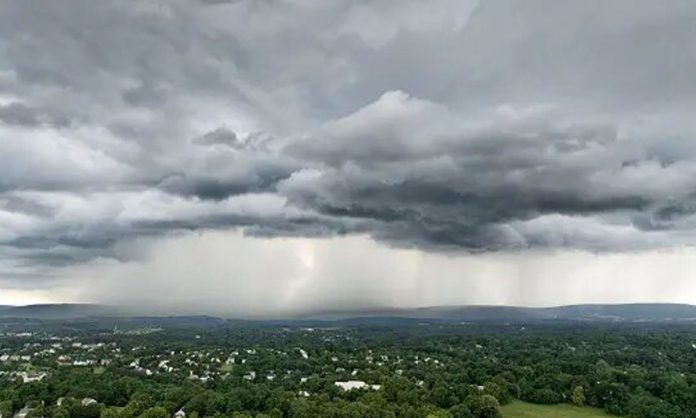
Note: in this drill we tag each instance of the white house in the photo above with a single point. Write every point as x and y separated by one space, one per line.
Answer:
355 384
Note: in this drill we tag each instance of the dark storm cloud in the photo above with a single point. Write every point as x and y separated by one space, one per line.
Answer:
434 181
18 114
22 115
442 126
220 136
145 94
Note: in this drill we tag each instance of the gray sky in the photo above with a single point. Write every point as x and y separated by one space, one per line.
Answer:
277 155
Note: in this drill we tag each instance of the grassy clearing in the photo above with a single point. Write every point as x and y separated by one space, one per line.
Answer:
519 409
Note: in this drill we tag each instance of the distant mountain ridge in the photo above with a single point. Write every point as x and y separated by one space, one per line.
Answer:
633 312
58 311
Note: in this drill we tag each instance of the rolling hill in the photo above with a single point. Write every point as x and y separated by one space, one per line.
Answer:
57 311
634 313
637 312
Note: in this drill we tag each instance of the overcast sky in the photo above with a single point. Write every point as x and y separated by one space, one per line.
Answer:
264 156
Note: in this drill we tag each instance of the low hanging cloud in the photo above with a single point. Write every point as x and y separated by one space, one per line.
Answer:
451 127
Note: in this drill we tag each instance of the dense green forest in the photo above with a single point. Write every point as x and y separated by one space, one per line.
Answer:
397 370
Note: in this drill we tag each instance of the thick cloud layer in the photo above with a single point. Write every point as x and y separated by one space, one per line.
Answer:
444 126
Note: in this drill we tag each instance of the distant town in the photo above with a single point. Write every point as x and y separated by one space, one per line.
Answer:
382 367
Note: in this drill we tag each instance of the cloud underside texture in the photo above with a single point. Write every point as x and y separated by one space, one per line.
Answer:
451 126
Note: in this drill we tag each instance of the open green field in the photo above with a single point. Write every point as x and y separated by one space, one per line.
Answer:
519 409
